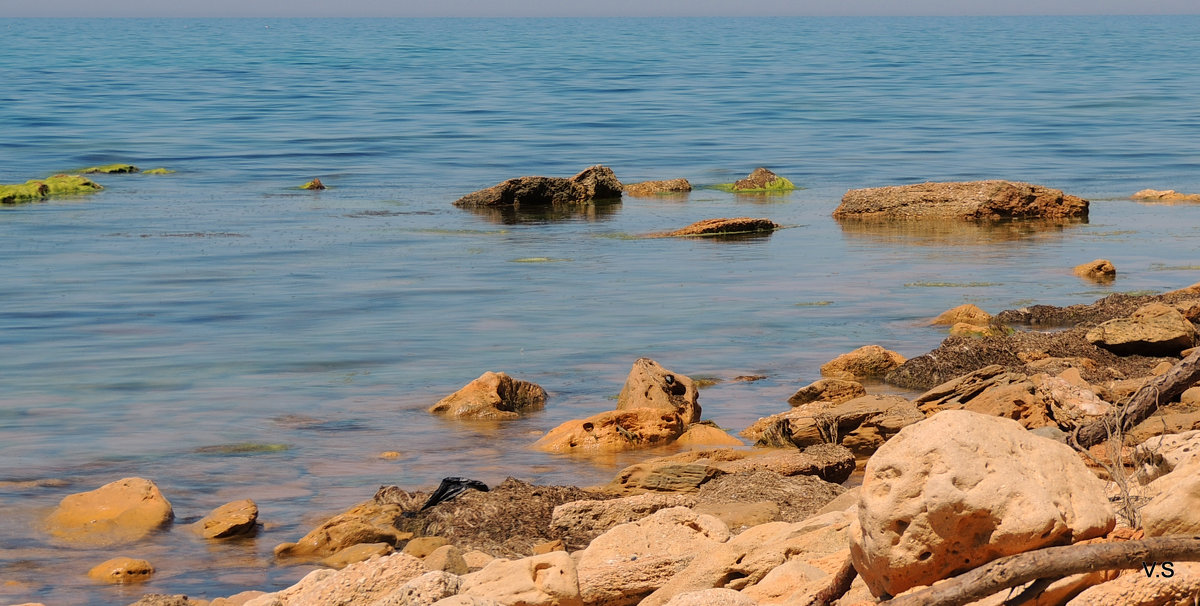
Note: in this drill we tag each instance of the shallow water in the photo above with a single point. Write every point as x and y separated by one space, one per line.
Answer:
148 327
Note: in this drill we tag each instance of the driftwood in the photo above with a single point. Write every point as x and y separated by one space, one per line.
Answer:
1052 563
1145 401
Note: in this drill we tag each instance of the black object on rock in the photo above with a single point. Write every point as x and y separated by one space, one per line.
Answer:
450 488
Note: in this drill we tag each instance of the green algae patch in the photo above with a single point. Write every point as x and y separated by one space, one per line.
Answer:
242 448
539 260
110 169
39 189
158 171
780 184
703 381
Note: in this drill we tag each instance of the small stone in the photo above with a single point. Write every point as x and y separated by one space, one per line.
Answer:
762 180
229 520
476 559
390 455
122 570
718 227
447 558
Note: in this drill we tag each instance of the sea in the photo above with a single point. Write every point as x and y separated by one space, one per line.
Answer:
228 335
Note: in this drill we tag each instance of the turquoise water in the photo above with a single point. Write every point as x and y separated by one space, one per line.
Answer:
146 324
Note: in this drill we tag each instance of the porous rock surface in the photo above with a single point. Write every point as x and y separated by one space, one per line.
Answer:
613 431
961 200
593 183
961 489
647 189
550 579
649 385
494 395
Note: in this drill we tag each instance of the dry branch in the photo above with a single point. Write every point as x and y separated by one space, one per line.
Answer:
1052 562
1163 388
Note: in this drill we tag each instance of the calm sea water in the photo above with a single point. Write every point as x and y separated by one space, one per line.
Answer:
148 327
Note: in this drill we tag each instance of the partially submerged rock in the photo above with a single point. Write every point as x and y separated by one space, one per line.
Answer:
494 395
961 489
38 189
966 313
646 189
593 183
1100 270
865 362
121 570
986 200
118 512
1155 329
649 385
229 520
158 171
314 184
760 180
725 227
109 169
1167 195
614 431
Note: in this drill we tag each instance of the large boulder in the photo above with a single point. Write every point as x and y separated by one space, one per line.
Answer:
1154 329
593 183
961 200
649 385
628 562
550 579
494 395
863 363
614 431
646 189
118 512
962 489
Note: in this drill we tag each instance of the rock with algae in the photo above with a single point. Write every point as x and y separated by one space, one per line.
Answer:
39 189
109 169
760 180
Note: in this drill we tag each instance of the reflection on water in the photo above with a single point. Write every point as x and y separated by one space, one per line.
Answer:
591 212
954 233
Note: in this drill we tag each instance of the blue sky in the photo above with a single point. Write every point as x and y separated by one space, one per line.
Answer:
524 8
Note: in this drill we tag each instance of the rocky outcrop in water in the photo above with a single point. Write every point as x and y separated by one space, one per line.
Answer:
1165 195
118 512
647 189
39 189
1100 270
984 200
760 180
593 183
649 385
718 227
865 362
494 395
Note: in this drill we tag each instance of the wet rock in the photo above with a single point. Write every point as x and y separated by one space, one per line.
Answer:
1165 195
494 395
718 227
109 169
760 180
593 183
1100 270
647 189
119 512
314 184
961 489
986 200
357 553
863 363
549 579
38 189
861 424
614 431
360 583
742 562
965 313
229 520
701 434
649 385
629 561
835 391
579 522
687 471
122 570
447 558
1154 329
796 497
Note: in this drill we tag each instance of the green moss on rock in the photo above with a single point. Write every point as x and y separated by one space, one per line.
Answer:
111 169
759 181
38 189
314 184
158 171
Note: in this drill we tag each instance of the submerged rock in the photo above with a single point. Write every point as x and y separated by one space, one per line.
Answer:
38 189
718 227
961 200
494 395
647 189
109 169
760 180
158 171
229 520
865 362
1165 195
593 183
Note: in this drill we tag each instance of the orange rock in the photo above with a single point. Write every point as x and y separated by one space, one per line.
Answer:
122 570
649 385
968 313
707 435
1100 270
1165 194
118 512
614 431
865 362
229 520
713 227
646 189
494 395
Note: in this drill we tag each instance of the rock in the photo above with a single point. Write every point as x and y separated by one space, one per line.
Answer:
796 497
701 434
426 589
109 169
1163 454
467 600
476 559
1166 195
614 431
861 424
314 184
423 546
158 171
368 522
965 313
118 512
579 522
1154 329
357 553
1165 421
962 329
649 385
742 562
725 227
122 570
237 599
37 189
1100 270
1173 510
647 189
162 599
548 546
987 200
961 489
828 390
711 597
1033 402
865 362
1071 406
494 395
760 180
687 471
740 516
1138 589
360 583
550 579
629 561
593 183
229 520
447 558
